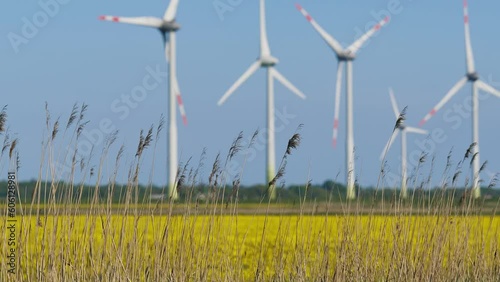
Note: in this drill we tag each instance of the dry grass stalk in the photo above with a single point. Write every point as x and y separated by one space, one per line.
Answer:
13 145
3 119
117 241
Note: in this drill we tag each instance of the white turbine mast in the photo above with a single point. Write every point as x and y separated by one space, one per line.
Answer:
266 60
168 28
403 129
477 84
345 58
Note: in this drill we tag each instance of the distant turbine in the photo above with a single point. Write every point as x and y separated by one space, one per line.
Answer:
473 78
168 28
345 56
404 130
266 60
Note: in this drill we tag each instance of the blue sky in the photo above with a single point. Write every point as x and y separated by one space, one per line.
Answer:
76 58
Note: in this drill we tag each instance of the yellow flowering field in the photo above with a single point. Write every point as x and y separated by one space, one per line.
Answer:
255 248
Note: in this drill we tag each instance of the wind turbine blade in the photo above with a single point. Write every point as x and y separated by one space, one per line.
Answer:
354 48
180 102
454 90
468 45
177 90
171 11
389 143
487 88
286 83
251 70
142 21
264 43
395 107
338 89
334 44
416 130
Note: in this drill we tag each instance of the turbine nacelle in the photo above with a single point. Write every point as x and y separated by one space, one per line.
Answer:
346 56
170 26
268 61
472 76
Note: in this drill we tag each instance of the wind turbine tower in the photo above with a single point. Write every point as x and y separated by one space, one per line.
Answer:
403 129
477 84
168 27
267 61
345 59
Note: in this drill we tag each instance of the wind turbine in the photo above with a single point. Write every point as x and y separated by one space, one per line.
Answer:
345 57
472 77
168 28
404 130
266 60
